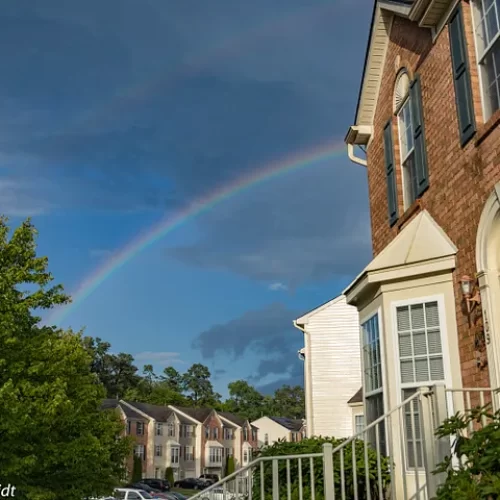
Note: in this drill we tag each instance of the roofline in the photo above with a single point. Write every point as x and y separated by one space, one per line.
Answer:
302 319
132 407
176 410
224 419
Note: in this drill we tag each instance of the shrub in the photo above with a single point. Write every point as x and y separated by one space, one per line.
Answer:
229 466
137 470
315 445
169 475
478 474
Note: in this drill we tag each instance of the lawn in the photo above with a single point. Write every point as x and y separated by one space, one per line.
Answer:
187 493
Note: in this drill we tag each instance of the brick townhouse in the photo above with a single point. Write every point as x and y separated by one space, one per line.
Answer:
191 441
427 121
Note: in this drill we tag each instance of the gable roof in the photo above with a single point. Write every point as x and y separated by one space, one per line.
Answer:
357 398
239 421
421 241
291 424
316 310
199 414
158 413
427 13
109 404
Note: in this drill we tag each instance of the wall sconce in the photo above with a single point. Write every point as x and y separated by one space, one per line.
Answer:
470 294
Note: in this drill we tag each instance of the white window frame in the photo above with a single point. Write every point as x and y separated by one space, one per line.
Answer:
188 453
158 450
139 450
480 56
141 425
171 429
245 456
266 439
385 396
159 429
174 454
358 427
406 102
215 455
445 345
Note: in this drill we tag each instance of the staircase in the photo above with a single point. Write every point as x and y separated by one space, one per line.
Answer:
392 458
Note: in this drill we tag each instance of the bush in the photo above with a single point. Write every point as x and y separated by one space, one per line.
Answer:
478 475
229 466
137 470
315 445
169 475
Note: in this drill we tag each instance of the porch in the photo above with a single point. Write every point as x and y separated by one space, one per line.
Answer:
394 457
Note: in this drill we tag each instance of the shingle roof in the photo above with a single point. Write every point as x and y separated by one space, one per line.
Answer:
159 413
357 398
232 418
291 424
109 404
200 414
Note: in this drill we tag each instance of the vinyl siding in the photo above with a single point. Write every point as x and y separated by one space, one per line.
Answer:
335 367
273 429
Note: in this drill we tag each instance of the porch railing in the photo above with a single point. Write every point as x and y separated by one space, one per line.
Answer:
394 457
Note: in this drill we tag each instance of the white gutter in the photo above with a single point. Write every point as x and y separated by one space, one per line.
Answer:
354 159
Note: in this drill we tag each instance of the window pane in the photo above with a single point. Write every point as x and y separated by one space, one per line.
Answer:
437 368
405 345
422 370
407 375
417 317
434 340
419 344
431 314
403 318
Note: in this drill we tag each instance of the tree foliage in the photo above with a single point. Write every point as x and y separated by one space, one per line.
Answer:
314 445
136 470
229 466
478 474
169 475
55 441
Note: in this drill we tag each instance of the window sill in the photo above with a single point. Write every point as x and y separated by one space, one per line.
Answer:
413 209
485 130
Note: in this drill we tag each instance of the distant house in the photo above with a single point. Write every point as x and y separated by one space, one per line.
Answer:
272 429
357 412
332 366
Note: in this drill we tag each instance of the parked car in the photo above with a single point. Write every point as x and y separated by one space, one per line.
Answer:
210 478
218 494
157 484
177 495
144 487
133 494
191 483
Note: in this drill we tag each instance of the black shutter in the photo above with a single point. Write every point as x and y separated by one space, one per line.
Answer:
461 77
417 118
392 197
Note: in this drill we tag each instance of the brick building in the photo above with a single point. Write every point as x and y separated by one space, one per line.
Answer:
427 121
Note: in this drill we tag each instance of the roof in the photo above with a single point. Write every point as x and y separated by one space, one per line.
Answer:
421 241
158 413
109 404
200 414
319 308
232 418
357 398
292 424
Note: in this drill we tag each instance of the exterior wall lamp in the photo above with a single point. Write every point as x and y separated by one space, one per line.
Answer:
470 294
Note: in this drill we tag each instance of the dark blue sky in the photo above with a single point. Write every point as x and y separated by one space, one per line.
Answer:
116 113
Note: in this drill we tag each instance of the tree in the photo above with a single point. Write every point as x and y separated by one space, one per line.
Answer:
169 475
197 384
290 402
136 470
245 400
229 466
173 379
56 442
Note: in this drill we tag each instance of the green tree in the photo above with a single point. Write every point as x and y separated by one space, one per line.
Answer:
245 400
173 379
289 402
229 466
136 470
199 387
56 443
169 475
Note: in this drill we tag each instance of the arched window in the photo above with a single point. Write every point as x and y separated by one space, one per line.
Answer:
402 108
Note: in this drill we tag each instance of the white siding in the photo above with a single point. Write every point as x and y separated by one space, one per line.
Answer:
335 367
273 429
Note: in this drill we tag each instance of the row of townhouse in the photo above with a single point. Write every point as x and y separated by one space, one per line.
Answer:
426 310
192 441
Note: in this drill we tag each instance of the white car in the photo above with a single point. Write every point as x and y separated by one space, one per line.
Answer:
218 494
132 494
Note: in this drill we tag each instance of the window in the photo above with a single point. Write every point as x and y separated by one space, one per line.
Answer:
245 434
229 452
171 430
228 433
420 362
359 424
139 451
372 366
245 456
188 453
158 451
129 426
215 455
207 432
174 455
254 435
157 473
216 432
159 429
487 29
266 439
294 437
139 428
186 431
407 149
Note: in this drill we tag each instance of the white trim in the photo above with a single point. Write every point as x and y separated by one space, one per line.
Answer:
140 412
304 319
448 379
444 20
227 421
404 102
185 415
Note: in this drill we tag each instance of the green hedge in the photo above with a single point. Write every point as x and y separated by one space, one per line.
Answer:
315 445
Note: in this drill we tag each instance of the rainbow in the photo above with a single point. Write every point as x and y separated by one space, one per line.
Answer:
194 209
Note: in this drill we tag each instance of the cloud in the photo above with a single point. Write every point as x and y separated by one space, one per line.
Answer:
267 333
159 358
276 287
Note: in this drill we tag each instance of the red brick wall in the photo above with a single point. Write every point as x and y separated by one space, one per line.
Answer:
212 422
460 179
138 440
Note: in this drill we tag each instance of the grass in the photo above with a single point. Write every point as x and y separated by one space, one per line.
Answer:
187 493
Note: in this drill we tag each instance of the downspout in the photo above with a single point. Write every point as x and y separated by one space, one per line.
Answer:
354 159
307 383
